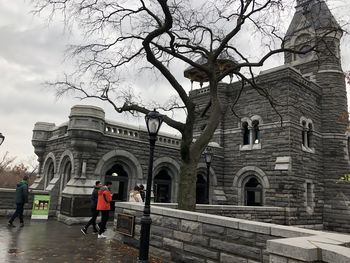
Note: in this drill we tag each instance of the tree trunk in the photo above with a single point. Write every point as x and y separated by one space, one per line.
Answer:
191 153
187 187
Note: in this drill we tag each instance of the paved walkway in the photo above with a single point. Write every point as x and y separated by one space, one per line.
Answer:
51 241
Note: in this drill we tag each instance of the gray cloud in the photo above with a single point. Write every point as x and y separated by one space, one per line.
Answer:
32 51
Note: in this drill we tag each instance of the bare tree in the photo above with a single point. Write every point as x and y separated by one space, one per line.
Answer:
6 162
199 34
11 172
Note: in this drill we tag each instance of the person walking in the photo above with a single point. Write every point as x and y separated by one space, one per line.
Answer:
142 192
94 211
134 195
104 205
21 199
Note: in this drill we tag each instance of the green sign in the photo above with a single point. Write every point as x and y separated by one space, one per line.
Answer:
41 204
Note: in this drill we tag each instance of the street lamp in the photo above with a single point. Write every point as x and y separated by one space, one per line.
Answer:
208 156
153 121
2 138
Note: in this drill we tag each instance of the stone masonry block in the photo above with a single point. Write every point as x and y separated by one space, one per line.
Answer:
202 251
172 223
183 236
226 258
161 231
237 249
172 243
200 240
257 227
191 227
213 231
278 259
181 256
156 241
156 219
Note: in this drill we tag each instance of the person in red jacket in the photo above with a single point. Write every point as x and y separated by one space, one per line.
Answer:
104 205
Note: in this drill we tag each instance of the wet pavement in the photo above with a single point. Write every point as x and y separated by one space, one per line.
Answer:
52 241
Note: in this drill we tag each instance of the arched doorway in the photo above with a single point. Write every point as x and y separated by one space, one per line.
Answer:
119 178
202 190
162 187
50 173
253 192
67 173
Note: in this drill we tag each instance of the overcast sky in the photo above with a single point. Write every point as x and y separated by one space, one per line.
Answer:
32 52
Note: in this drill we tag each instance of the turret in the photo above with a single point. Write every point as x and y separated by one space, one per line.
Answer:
313 27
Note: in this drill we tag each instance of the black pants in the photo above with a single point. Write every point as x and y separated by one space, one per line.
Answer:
18 212
92 221
104 219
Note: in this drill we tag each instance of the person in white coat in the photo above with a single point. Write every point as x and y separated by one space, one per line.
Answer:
134 195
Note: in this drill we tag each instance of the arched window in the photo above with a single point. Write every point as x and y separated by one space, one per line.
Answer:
50 173
245 130
202 190
304 133
162 187
251 133
307 138
67 173
253 192
256 132
309 135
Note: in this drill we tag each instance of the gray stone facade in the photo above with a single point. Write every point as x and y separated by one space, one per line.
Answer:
290 158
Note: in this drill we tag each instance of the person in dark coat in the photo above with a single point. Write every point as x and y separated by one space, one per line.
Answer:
21 199
94 212
142 192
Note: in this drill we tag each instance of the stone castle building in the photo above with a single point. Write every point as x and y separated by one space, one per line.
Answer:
288 158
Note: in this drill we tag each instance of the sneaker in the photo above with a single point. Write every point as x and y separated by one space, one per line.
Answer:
101 236
9 224
83 230
21 225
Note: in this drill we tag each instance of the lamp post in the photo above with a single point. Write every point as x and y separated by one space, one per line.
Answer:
2 138
153 121
208 155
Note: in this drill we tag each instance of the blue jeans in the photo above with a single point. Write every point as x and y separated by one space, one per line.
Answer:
18 212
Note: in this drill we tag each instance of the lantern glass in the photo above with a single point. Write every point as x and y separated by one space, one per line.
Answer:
2 138
153 121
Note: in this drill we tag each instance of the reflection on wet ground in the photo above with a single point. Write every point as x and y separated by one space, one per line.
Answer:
52 241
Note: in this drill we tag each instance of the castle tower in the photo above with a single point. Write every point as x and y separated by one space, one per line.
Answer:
314 27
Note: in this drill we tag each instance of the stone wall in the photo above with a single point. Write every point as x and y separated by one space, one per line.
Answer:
8 206
183 236
337 210
276 215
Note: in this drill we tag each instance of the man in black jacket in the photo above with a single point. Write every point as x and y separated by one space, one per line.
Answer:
94 212
21 199
142 192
